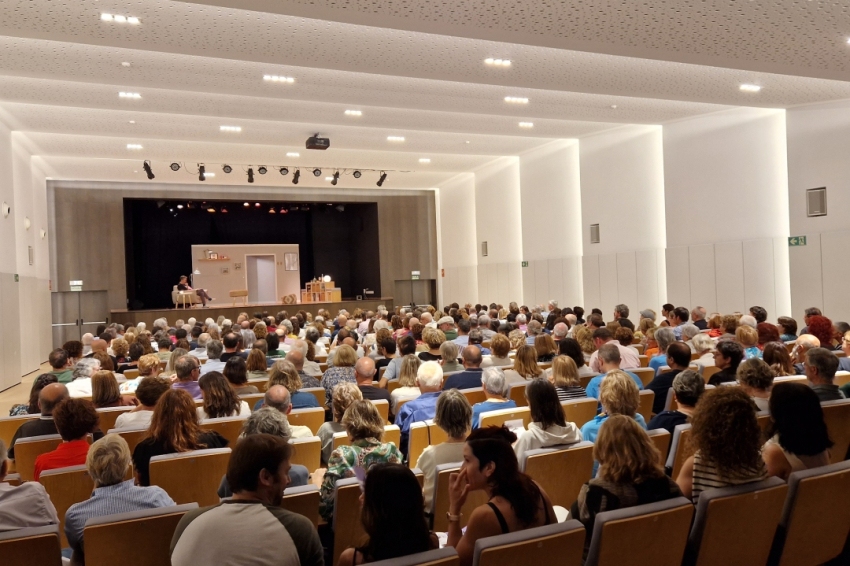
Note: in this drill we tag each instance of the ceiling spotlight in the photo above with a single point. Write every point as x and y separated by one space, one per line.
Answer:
257 205
382 179
223 209
134 95
317 172
424 160
250 175
284 171
262 170
357 174
271 210
284 210
278 79
226 168
526 124
335 178
395 138
293 154
497 62
147 167
296 176
246 205
134 146
230 128
340 207
516 99
353 112
175 166
211 209
750 88
201 171
180 206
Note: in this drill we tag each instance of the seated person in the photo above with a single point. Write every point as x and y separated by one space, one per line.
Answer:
107 463
679 359
278 398
564 376
148 367
284 373
48 399
75 420
470 377
183 285
820 366
236 372
448 353
548 427
618 396
364 373
688 386
756 378
609 360
62 366
391 516
429 379
258 472
344 395
105 393
219 399
148 393
31 407
727 356
23 506
406 390
496 389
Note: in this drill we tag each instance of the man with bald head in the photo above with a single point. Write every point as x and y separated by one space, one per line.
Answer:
364 373
295 356
470 377
48 398
101 345
278 397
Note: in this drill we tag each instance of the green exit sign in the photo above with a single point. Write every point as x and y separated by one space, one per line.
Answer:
525 264
796 241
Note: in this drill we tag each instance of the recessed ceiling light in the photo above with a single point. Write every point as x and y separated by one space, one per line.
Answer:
134 146
353 112
132 121
231 128
516 99
208 175
467 141
125 63
135 95
395 138
120 19
278 79
424 160
293 154
526 124
614 106
329 178
750 88
498 62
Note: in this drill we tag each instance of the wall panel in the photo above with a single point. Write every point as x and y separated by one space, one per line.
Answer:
729 276
759 279
574 291
702 277
678 277
646 271
608 296
836 275
556 281
541 281
626 281
590 281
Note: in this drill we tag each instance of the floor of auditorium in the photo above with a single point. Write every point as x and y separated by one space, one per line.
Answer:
19 393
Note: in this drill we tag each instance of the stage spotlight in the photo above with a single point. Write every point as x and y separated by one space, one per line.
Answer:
296 176
336 178
257 205
224 209
382 179
175 166
357 174
271 210
202 173
283 210
147 167
246 205
317 172
211 209
250 175
180 206
262 170
227 168
284 171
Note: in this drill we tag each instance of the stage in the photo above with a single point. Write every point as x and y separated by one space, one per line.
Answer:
225 307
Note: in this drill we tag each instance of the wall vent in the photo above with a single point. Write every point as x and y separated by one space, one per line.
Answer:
484 249
594 233
31 255
816 202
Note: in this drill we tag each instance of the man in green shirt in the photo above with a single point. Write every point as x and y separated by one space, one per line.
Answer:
447 325
60 361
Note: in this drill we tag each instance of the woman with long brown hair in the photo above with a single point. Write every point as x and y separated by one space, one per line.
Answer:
546 348
525 365
256 364
219 399
174 428
105 393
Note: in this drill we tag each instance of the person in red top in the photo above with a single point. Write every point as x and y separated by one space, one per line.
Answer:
75 419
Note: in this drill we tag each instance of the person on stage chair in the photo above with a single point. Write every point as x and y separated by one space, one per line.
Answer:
202 293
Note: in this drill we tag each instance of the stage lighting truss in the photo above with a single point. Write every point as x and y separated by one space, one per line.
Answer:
284 170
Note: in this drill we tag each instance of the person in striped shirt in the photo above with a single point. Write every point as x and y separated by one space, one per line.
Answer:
564 376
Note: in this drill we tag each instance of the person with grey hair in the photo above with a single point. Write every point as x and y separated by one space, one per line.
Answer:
533 330
704 347
494 382
521 322
559 332
484 327
81 384
664 336
26 505
201 351
698 315
688 332
621 315
311 334
688 387
214 363
188 370
429 379
821 365
278 397
748 320
470 377
448 353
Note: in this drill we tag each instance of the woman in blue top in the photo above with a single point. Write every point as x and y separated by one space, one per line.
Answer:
619 396
284 373
664 337
496 389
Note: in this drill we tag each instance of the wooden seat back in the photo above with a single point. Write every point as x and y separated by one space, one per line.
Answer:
313 418
229 427
383 407
348 530
680 449
474 395
563 541
30 448
547 467
580 411
501 416
661 439
132 435
708 371
191 477
647 398
303 500
131 374
252 398
517 393
644 360
836 414
422 435
66 486
36 546
10 425
307 452
646 375
109 415
441 498
318 393
391 434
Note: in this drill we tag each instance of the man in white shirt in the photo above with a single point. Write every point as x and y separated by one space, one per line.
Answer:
628 357
278 397
24 506
201 351
83 370
214 363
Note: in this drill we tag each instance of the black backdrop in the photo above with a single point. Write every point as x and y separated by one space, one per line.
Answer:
158 239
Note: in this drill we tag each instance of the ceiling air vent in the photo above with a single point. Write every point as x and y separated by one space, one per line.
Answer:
816 202
594 233
484 249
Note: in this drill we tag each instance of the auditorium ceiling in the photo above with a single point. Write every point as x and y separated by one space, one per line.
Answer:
414 70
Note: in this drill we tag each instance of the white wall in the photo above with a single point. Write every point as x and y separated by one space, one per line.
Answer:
725 177
457 246
219 284
550 193
498 221
622 190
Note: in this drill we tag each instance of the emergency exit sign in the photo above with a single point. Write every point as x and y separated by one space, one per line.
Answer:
796 241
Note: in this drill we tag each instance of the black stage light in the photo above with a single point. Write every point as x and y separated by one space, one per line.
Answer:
336 178
147 167
317 172
250 175
296 176
202 173
382 179
284 171
227 168
357 174
262 170
175 166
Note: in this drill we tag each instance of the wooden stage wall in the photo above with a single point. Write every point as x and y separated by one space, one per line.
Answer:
227 309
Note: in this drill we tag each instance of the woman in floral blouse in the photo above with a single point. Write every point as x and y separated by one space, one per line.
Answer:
365 428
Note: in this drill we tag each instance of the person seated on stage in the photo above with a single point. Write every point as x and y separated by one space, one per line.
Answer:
202 293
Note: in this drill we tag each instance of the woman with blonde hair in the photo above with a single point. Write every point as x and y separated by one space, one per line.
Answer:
261 330
644 325
564 376
618 395
433 338
517 338
284 373
219 399
748 337
584 337
407 388
525 365
256 364
105 391
148 367
176 354
344 395
546 348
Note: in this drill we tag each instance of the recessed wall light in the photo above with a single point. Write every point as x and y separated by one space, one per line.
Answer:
497 62
231 128
526 124
132 121
117 18
329 178
424 160
278 79
134 146
516 99
353 112
293 154
135 95
750 88
395 138
614 106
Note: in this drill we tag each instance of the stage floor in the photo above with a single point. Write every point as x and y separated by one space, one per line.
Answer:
226 308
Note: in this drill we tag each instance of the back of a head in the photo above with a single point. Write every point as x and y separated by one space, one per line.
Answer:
453 414
619 394
755 373
824 360
50 396
747 336
703 343
495 382
150 389
236 371
343 396
609 354
625 452
104 389
75 418
544 404
688 387
230 340
251 456
472 356
689 331
185 366
362 420
175 421
107 460
680 354
430 375
664 336
732 350
267 420
797 419
278 397
681 313
448 351
58 358
725 430
759 313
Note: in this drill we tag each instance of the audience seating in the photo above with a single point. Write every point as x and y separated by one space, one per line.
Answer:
262 384
501 416
474 395
30 448
422 435
323 367
381 373
139 538
303 500
646 375
656 533
132 435
560 470
836 414
307 452
401 404
348 530
391 434
312 418
798 378
679 449
763 418
441 498
318 392
191 477
446 556
660 437
36 546
580 411
66 486
10 425
841 377
517 393
109 415
808 534
252 398
647 398
644 361
392 385
13 479
639 347
584 380
708 371
383 407
561 543
131 374
229 427
736 525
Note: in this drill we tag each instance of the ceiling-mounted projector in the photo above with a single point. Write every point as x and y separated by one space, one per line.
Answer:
316 142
